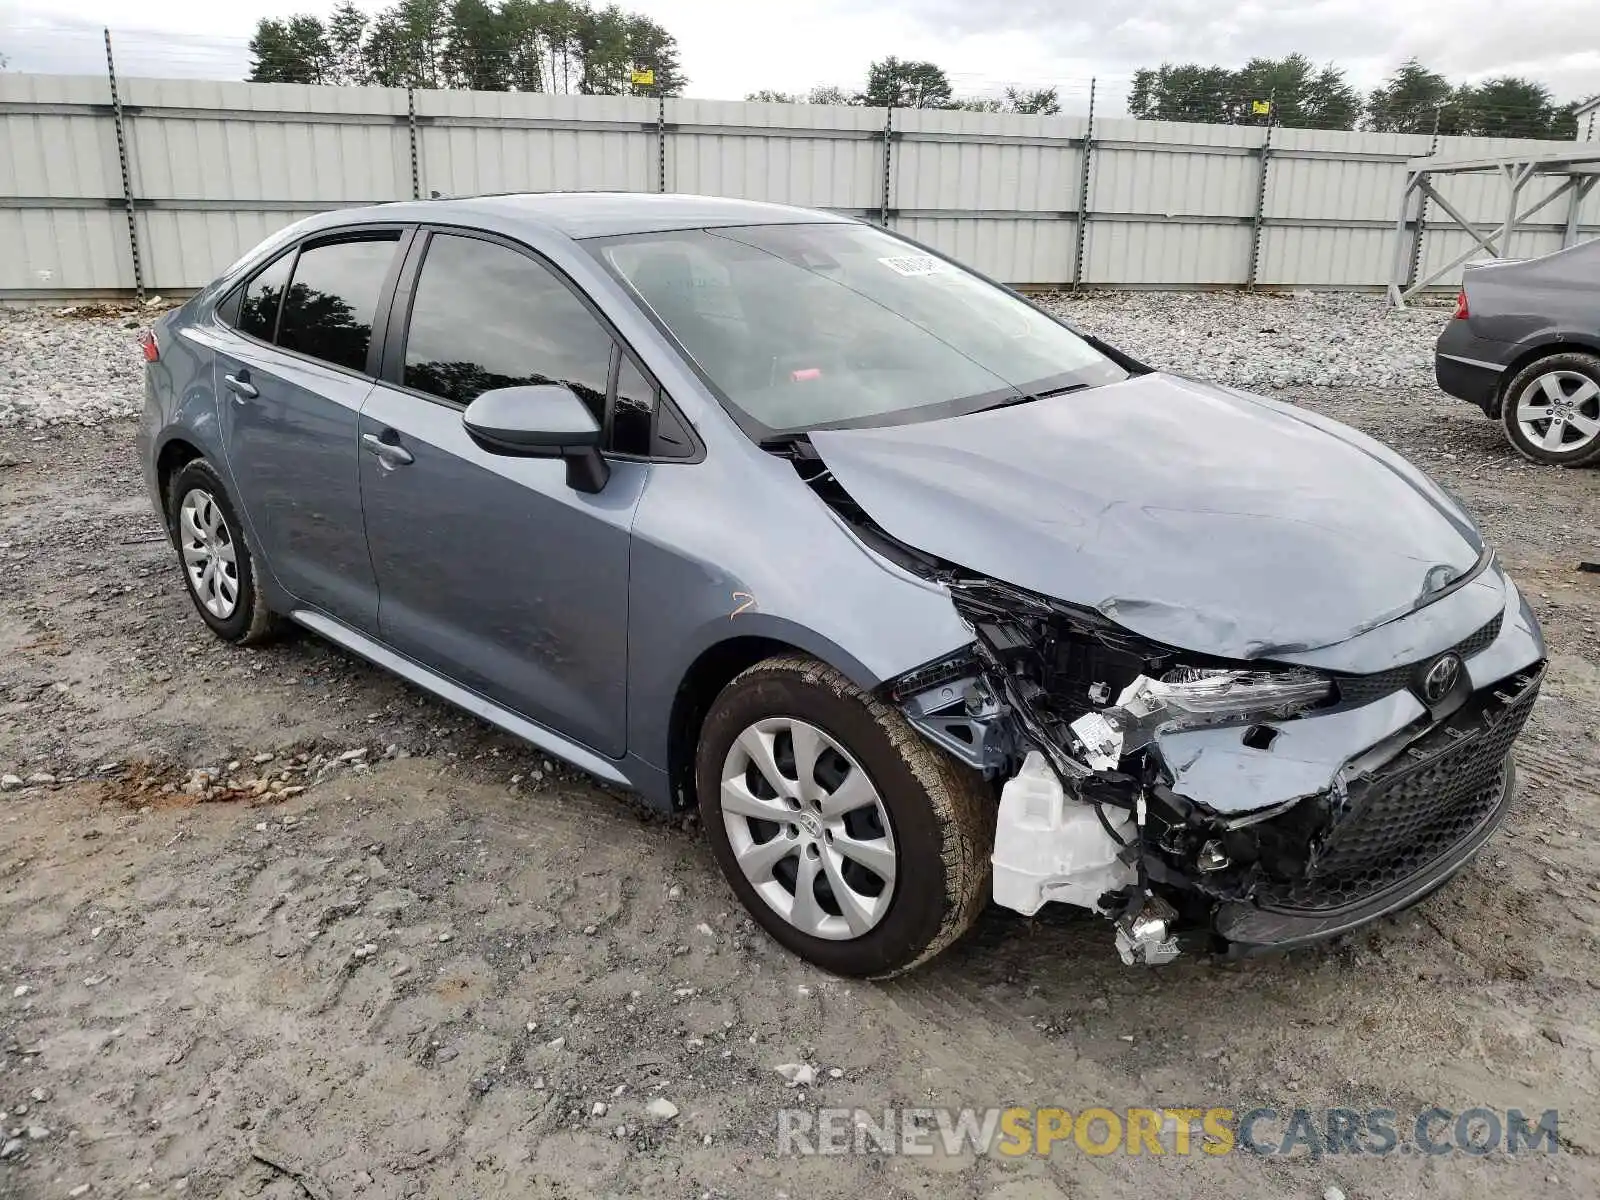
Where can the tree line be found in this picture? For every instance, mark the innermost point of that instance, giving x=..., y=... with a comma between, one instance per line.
x=512, y=45
x=571, y=46
x=906, y=83
x=1293, y=91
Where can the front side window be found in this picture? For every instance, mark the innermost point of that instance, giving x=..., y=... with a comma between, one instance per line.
x=331, y=303
x=487, y=317
x=829, y=325
x=258, y=312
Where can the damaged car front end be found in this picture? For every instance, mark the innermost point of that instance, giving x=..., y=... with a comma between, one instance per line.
x=1262, y=767
x=1363, y=792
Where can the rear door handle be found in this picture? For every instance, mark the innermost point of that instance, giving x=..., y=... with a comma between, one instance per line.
x=389, y=454
x=241, y=386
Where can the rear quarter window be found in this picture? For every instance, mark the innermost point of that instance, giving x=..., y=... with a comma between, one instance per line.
x=258, y=307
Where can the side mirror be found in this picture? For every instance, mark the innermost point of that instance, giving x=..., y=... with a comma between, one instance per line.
x=545, y=420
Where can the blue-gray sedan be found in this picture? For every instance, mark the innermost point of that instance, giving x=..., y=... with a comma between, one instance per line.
x=920, y=595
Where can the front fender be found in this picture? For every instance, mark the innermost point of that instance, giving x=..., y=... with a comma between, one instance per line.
x=740, y=547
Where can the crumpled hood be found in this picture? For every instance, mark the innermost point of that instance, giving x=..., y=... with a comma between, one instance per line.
x=1199, y=516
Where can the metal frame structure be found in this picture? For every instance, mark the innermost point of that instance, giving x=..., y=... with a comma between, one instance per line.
x=1585, y=114
x=1580, y=165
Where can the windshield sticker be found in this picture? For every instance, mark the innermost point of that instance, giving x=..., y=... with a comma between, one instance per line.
x=912, y=264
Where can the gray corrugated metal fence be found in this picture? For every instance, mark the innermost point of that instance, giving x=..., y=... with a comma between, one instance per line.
x=212, y=168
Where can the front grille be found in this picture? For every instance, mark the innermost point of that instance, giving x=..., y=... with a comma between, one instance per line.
x=1363, y=689
x=1355, y=883
x=1412, y=810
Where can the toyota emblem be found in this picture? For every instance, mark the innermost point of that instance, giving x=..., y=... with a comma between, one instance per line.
x=1441, y=678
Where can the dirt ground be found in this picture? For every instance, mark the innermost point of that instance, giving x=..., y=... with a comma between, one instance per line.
x=419, y=975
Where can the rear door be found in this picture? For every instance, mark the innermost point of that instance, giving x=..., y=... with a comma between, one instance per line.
x=294, y=366
x=492, y=570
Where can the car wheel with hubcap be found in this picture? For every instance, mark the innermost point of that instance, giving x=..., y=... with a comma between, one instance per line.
x=852, y=840
x=1551, y=410
x=216, y=561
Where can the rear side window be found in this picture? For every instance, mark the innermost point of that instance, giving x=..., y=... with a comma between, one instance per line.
x=329, y=307
x=487, y=317
x=258, y=314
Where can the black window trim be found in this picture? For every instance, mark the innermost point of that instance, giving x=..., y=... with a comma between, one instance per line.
x=407, y=232
x=391, y=370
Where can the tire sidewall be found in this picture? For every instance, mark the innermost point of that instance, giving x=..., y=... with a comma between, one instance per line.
x=200, y=474
x=918, y=904
x=1585, y=364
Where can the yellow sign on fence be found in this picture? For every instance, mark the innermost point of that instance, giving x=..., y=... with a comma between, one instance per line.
x=643, y=77
x=1261, y=108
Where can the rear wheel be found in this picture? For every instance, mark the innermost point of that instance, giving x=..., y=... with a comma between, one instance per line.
x=853, y=842
x=216, y=561
x=1551, y=410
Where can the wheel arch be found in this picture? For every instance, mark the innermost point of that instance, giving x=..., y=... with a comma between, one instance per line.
x=712, y=669
x=175, y=453
x=1556, y=343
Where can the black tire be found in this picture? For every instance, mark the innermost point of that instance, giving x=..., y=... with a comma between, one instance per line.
x=941, y=814
x=250, y=621
x=1575, y=365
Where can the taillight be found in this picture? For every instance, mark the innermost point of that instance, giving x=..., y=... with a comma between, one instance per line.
x=147, y=343
x=1461, y=305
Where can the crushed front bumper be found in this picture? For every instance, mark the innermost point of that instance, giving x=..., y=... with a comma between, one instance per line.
x=1240, y=838
x=1285, y=819
x=1258, y=928
x=1406, y=829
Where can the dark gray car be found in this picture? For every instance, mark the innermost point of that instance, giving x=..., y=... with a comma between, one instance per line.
x=892, y=574
x=1524, y=346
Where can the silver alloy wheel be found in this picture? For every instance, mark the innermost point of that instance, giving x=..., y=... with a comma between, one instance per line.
x=1560, y=411
x=808, y=828
x=208, y=555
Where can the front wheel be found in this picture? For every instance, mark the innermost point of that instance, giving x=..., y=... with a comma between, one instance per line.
x=853, y=841
x=1551, y=410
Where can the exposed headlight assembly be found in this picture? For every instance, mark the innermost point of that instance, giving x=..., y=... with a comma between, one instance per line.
x=1192, y=697
x=1186, y=698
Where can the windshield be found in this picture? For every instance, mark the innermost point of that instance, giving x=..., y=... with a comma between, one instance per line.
x=835, y=325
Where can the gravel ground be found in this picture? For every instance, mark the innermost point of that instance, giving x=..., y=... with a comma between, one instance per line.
x=82, y=368
x=1266, y=340
x=408, y=956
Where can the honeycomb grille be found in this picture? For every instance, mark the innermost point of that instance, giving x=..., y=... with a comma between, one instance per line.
x=1355, y=883
x=1414, y=810
x=1363, y=689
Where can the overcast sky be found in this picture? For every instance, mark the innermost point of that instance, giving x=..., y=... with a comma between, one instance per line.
x=732, y=47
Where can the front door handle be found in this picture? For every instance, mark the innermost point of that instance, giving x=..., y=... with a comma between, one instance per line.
x=389, y=454
x=241, y=386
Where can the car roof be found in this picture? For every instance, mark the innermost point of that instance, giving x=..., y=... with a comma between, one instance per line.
x=601, y=214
